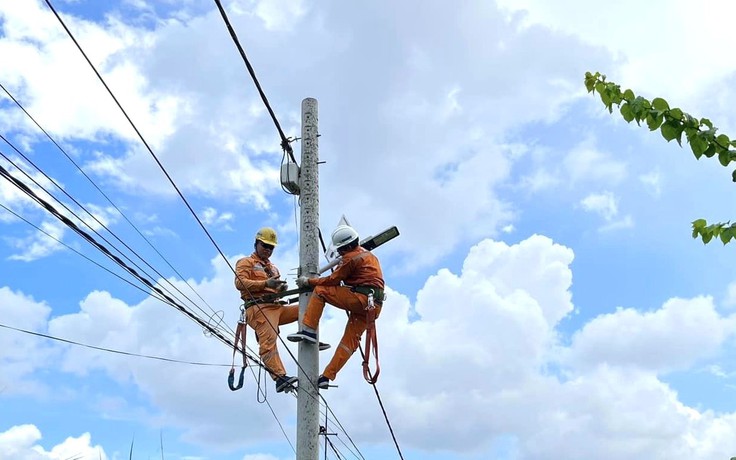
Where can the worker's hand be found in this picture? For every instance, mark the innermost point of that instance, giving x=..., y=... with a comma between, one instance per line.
x=283, y=286
x=275, y=283
x=302, y=282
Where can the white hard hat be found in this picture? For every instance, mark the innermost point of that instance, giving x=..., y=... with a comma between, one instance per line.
x=343, y=235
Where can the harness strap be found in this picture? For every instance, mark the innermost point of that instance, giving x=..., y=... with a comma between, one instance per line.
x=377, y=293
x=275, y=296
x=240, y=334
x=371, y=341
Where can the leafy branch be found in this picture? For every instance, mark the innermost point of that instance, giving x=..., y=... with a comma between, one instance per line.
x=672, y=124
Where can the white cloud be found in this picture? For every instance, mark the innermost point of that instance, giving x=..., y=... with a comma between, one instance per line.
x=605, y=204
x=210, y=216
x=278, y=14
x=20, y=443
x=260, y=457
x=639, y=67
x=730, y=300
x=21, y=354
x=38, y=245
x=653, y=182
x=584, y=163
x=674, y=337
x=492, y=327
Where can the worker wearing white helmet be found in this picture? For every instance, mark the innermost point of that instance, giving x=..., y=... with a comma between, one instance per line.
x=359, y=272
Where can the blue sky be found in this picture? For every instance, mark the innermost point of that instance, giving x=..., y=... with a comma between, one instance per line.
x=545, y=295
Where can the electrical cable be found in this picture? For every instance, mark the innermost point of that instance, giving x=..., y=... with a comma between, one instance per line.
x=110, y=350
x=13, y=98
x=77, y=252
x=161, y=166
x=31, y=194
x=3, y=155
x=285, y=145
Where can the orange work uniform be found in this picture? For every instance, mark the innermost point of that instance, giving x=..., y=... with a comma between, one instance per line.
x=251, y=275
x=358, y=267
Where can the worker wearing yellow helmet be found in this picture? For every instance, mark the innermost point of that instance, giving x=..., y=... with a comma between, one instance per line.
x=256, y=276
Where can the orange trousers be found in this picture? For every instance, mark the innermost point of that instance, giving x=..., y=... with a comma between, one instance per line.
x=265, y=321
x=341, y=297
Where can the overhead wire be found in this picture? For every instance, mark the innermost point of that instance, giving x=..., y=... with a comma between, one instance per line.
x=260, y=365
x=84, y=222
x=110, y=350
x=63, y=151
x=170, y=301
x=285, y=146
x=285, y=143
x=158, y=162
x=74, y=250
x=104, y=250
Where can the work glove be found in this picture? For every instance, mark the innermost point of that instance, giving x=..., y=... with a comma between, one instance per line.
x=283, y=287
x=302, y=282
x=275, y=283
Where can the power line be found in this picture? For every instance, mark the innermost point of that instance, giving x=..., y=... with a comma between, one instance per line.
x=72, y=249
x=135, y=128
x=110, y=350
x=104, y=250
x=89, y=213
x=104, y=195
x=285, y=145
x=158, y=162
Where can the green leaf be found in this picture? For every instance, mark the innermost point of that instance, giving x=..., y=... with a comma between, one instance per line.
x=626, y=112
x=710, y=151
x=676, y=113
x=706, y=122
x=726, y=235
x=629, y=95
x=707, y=237
x=723, y=141
x=699, y=223
x=724, y=158
x=660, y=104
x=733, y=176
x=671, y=130
x=698, y=145
x=590, y=81
x=654, y=120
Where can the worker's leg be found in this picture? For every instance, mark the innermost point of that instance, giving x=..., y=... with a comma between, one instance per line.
x=288, y=314
x=264, y=319
x=339, y=296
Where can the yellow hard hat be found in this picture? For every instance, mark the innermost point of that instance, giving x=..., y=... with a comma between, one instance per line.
x=267, y=235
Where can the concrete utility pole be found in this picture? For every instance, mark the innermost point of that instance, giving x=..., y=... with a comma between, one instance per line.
x=307, y=412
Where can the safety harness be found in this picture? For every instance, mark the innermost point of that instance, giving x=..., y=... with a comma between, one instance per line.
x=240, y=331
x=375, y=296
x=239, y=336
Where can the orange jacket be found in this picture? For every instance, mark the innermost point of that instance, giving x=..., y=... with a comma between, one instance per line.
x=251, y=275
x=358, y=267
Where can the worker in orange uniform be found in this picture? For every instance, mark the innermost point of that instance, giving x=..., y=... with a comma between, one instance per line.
x=256, y=276
x=357, y=278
